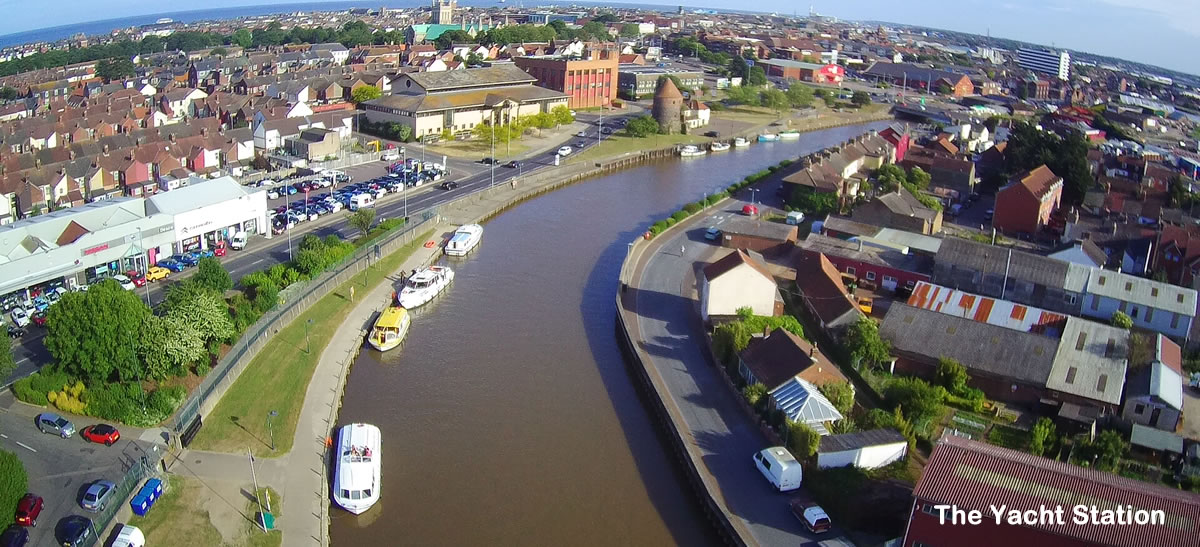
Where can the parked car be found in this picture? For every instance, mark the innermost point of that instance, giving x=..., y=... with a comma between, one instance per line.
x=513, y=164
x=449, y=185
x=129, y=536
x=28, y=509
x=389, y=156
x=273, y=193
x=606, y=130
x=219, y=249
x=16, y=332
x=156, y=273
x=562, y=151
x=187, y=259
x=712, y=233
x=49, y=422
x=75, y=530
x=714, y=134
x=39, y=318
x=811, y=515
x=171, y=264
x=124, y=281
x=14, y=536
x=97, y=496
x=581, y=134
x=238, y=242
x=290, y=190
x=750, y=210
x=101, y=434
x=20, y=317
x=489, y=161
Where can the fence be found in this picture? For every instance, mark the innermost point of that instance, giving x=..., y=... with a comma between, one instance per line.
x=141, y=464
x=294, y=301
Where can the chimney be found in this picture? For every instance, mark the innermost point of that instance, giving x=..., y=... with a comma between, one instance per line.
x=860, y=245
x=71, y=153
x=105, y=149
x=812, y=351
x=171, y=137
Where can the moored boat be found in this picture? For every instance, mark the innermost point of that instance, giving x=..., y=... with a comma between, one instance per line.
x=740, y=142
x=357, y=477
x=789, y=135
x=464, y=240
x=424, y=285
x=719, y=146
x=768, y=137
x=390, y=328
x=691, y=151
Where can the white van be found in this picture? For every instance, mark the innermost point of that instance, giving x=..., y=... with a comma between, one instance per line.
x=238, y=242
x=779, y=467
x=360, y=201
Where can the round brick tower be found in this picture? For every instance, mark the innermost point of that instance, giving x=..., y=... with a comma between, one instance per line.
x=668, y=106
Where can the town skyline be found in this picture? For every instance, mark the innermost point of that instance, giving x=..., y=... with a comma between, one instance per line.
x=1153, y=32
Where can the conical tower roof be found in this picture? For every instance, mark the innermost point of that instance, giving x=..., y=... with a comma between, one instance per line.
x=667, y=90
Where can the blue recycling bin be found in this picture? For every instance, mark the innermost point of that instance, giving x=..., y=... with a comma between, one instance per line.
x=153, y=489
x=140, y=505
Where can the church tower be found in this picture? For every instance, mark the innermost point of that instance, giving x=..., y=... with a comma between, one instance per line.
x=443, y=12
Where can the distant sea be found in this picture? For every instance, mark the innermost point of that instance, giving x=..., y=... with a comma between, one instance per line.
x=106, y=26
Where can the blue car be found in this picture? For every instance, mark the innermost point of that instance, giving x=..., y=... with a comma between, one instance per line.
x=186, y=259
x=201, y=253
x=171, y=264
x=291, y=190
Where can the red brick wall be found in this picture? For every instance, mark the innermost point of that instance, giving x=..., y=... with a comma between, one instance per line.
x=1016, y=210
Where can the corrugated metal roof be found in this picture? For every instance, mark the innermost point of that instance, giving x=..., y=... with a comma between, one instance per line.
x=1156, y=439
x=977, y=476
x=192, y=197
x=802, y=402
x=1000, y=313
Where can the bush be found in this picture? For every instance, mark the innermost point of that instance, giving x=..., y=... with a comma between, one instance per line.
x=658, y=227
x=163, y=402
x=203, y=367
x=14, y=482
x=803, y=440
x=33, y=389
x=116, y=402
x=919, y=400
x=670, y=222
x=755, y=394
x=693, y=208
x=679, y=215
x=786, y=163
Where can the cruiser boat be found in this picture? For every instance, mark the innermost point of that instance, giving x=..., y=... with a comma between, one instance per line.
x=424, y=285
x=691, y=150
x=719, y=146
x=390, y=328
x=356, y=480
x=768, y=137
x=789, y=135
x=740, y=142
x=465, y=239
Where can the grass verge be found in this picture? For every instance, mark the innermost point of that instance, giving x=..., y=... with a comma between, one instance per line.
x=255, y=537
x=619, y=145
x=277, y=379
x=175, y=516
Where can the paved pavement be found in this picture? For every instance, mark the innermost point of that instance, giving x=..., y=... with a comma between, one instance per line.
x=668, y=329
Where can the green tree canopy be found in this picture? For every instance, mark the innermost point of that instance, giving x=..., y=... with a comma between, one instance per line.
x=212, y=275
x=362, y=219
x=91, y=334
x=756, y=76
x=562, y=115
x=775, y=99
x=115, y=69
x=606, y=17
x=918, y=399
x=166, y=344
x=799, y=95
x=803, y=440
x=841, y=394
x=7, y=93
x=1041, y=436
x=365, y=93
x=860, y=99
x=919, y=178
x=451, y=37
x=206, y=314
x=641, y=126
x=243, y=38
x=952, y=375
x=14, y=482
x=1121, y=320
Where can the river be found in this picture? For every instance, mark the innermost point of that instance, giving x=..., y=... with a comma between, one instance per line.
x=510, y=416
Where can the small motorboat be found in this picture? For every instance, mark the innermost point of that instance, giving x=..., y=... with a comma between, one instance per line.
x=390, y=328
x=768, y=137
x=464, y=240
x=691, y=151
x=357, y=477
x=789, y=135
x=740, y=142
x=424, y=285
x=718, y=146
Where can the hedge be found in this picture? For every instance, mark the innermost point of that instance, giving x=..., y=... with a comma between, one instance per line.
x=14, y=482
x=698, y=206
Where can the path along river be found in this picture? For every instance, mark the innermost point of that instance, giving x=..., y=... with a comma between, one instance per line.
x=510, y=416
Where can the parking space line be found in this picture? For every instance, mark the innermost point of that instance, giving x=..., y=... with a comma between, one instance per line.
x=25, y=446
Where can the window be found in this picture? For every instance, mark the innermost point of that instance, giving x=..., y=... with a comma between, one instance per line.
x=1110, y=348
x=870, y=276
x=1149, y=314
x=889, y=279
x=1179, y=298
x=1102, y=279
x=1133, y=312
x=910, y=284
x=1081, y=341
x=1071, y=375
x=1095, y=303
x=1128, y=286
x=1174, y=320
x=1140, y=408
x=928, y=509
x=1069, y=299
x=1102, y=382
x=1154, y=291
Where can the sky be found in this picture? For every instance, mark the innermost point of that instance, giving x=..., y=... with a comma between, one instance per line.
x=1159, y=32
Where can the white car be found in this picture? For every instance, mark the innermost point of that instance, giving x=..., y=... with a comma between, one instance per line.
x=273, y=193
x=389, y=156
x=125, y=282
x=581, y=134
x=266, y=182
x=20, y=317
x=129, y=536
x=564, y=150
x=336, y=206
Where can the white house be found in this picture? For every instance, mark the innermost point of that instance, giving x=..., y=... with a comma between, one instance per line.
x=1154, y=393
x=864, y=449
x=1152, y=305
x=740, y=279
x=338, y=51
x=178, y=103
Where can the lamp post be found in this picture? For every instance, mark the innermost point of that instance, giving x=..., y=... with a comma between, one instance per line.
x=493, y=164
x=286, y=220
x=404, y=181
x=270, y=415
x=753, y=194
x=307, y=346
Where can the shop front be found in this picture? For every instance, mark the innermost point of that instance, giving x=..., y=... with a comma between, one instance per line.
x=211, y=212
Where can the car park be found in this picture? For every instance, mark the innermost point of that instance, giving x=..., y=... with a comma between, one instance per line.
x=49, y=422
x=156, y=273
x=136, y=277
x=171, y=264
x=97, y=496
x=75, y=531
x=101, y=434
x=29, y=507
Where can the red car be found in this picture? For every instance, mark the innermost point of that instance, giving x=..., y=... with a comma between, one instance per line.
x=28, y=509
x=101, y=433
x=137, y=278
x=219, y=250
x=750, y=210
x=39, y=318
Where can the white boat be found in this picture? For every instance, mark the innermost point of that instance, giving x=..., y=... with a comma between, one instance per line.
x=356, y=480
x=424, y=285
x=389, y=329
x=740, y=142
x=465, y=238
x=789, y=135
x=768, y=137
x=719, y=146
x=691, y=150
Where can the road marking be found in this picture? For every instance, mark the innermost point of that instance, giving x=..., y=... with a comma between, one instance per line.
x=25, y=446
x=258, y=261
x=3, y=435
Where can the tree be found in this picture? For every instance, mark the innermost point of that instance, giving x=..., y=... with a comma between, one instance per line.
x=641, y=126
x=7, y=362
x=1041, y=436
x=813, y=202
x=1121, y=320
x=219, y=52
x=365, y=93
x=166, y=344
x=860, y=99
x=919, y=178
x=799, y=95
x=755, y=394
x=562, y=115
x=746, y=95
x=206, y=314
x=362, y=219
x=919, y=399
x=212, y=275
x=952, y=375
x=890, y=177
x=451, y=37
x=629, y=30
x=594, y=30
x=14, y=482
x=606, y=17
x=90, y=334
x=474, y=59
x=7, y=93
x=803, y=440
x=775, y=100
x=1105, y=451
x=841, y=394
x=243, y=38
x=115, y=69
x=756, y=76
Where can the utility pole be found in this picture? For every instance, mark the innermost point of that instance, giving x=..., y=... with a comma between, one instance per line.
x=262, y=519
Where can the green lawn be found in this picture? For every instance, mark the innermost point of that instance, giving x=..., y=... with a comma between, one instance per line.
x=278, y=377
x=255, y=535
x=174, y=516
x=476, y=149
x=1009, y=437
x=619, y=144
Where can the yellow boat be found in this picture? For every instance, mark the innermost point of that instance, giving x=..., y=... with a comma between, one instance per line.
x=390, y=328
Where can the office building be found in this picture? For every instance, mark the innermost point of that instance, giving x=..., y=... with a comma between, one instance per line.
x=589, y=82
x=1045, y=61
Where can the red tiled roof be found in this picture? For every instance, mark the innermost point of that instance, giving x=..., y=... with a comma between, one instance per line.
x=822, y=286
x=1170, y=354
x=1039, y=180
x=977, y=476
x=733, y=260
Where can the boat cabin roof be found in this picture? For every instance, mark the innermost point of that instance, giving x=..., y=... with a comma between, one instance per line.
x=392, y=317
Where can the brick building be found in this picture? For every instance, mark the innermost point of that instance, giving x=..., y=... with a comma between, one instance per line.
x=587, y=82
x=1026, y=203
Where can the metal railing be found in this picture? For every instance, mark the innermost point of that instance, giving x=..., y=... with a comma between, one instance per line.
x=141, y=464
x=295, y=300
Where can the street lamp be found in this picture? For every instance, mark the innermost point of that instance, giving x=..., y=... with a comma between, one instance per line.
x=404, y=181
x=753, y=194
x=271, y=432
x=307, y=324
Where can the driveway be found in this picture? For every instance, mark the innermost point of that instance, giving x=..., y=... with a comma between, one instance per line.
x=1191, y=413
